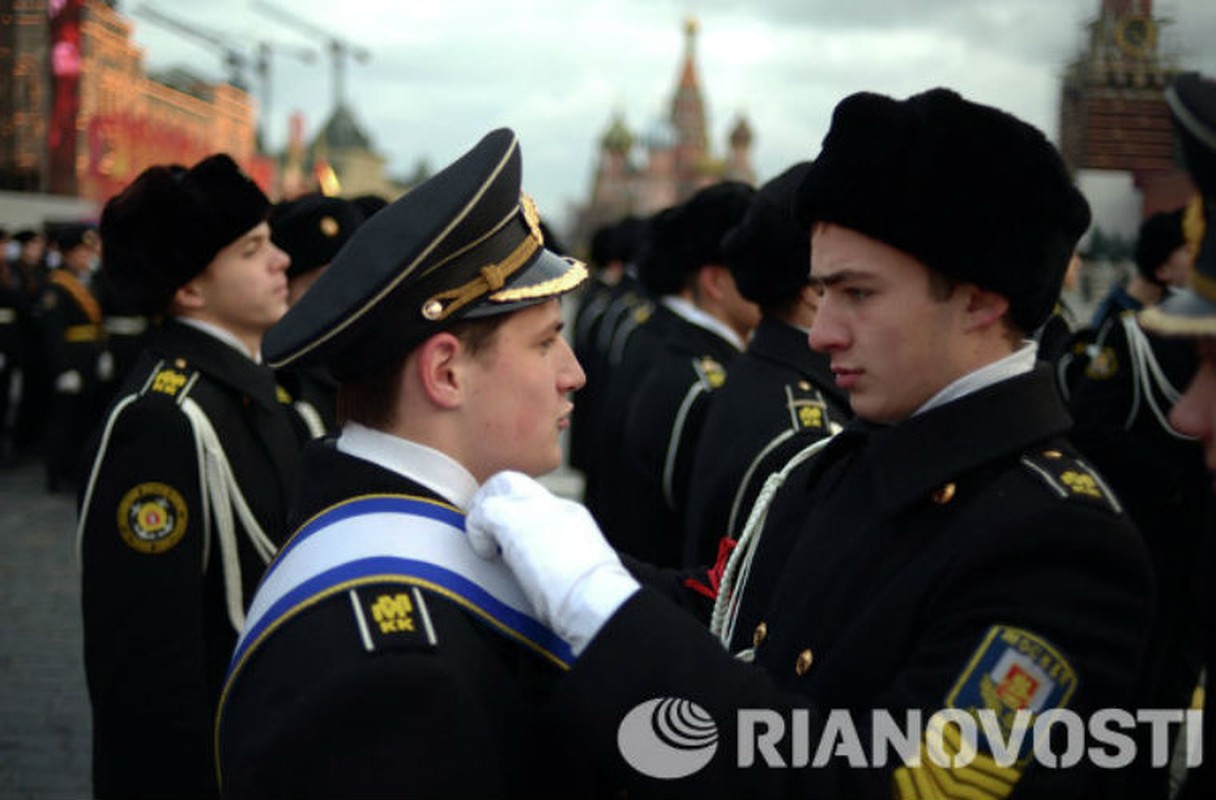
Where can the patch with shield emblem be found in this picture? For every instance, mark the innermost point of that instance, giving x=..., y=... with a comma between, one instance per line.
x=152, y=518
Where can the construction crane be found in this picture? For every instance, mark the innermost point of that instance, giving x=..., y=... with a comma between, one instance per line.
x=339, y=49
x=236, y=62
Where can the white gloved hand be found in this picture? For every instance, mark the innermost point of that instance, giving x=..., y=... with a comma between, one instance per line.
x=573, y=578
x=69, y=382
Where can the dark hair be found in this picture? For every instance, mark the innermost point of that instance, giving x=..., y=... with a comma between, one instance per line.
x=372, y=400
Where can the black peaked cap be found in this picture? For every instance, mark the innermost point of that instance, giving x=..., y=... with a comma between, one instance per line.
x=463, y=244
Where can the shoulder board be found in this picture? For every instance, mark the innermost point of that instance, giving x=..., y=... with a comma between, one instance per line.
x=174, y=380
x=392, y=616
x=1071, y=478
x=711, y=374
x=808, y=411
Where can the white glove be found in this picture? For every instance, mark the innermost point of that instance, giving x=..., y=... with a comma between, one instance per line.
x=69, y=382
x=573, y=578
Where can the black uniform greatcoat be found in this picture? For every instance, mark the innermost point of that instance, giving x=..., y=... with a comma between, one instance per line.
x=157, y=633
x=646, y=493
x=1161, y=480
x=777, y=386
x=640, y=338
x=314, y=385
x=314, y=713
x=73, y=343
x=884, y=564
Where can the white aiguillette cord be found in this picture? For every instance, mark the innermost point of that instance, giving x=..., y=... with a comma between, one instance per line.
x=738, y=567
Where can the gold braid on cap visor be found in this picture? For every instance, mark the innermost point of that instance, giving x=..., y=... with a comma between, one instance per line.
x=492, y=277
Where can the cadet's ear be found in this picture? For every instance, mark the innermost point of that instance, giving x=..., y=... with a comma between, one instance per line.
x=188, y=297
x=438, y=369
x=711, y=280
x=984, y=308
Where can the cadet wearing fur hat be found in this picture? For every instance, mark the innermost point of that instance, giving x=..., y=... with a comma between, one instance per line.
x=428, y=673
x=311, y=230
x=643, y=500
x=948, y=549
x=190, y=473
x=781, y=396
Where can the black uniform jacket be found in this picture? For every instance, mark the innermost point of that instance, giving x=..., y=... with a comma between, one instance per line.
x=314, y=393
x=883, y=571
x=642, y=336
x=645, y=495
x=1161, y=480
x=71, y=325
x=781, y=397
x=315, y=713
x=592, y=303
x=157, y=633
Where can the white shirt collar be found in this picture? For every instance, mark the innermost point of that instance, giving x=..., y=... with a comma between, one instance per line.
x=433, y=469
x=225, y=336
x=1016, y=363
x=687, y=311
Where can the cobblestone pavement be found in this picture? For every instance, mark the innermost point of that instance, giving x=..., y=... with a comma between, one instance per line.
x=44, y=706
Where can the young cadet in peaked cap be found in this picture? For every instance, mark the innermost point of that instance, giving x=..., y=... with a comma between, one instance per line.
x=1191, y=313
x=947, y=550
x=428, y=670
x=189, y=474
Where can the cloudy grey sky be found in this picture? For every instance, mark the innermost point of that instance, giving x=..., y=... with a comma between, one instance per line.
x=443, y=72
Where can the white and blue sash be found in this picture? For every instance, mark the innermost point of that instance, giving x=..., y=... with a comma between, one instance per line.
x=395, y=538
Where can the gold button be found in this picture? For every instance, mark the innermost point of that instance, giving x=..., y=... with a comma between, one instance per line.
x=804, y=386
x=803, y=662
x=180, y=363
x=1052, y=454
x=759, y=634
x=944, y=493
x=432, y=310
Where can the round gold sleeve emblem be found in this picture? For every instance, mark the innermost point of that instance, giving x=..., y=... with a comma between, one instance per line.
x=152, y=517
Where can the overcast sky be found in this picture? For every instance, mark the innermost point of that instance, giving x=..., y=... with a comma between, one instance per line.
x=444, y=72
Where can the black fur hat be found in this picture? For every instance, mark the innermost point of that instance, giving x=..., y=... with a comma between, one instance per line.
x=768, y=252
x=170, y=222
x=709, y=214
x=1160, y=235
x=659, y=256
x=312, y=229
x=970, y=191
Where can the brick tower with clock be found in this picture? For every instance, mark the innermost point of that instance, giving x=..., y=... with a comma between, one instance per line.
x=1113, y=114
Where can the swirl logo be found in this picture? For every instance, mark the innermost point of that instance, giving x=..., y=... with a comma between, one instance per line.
x=667, y=738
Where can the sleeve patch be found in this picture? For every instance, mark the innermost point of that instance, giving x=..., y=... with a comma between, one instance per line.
x=393, y=618
x=711, y=374
x=152, y=518
x=1013, y=669
x=1071, y=478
